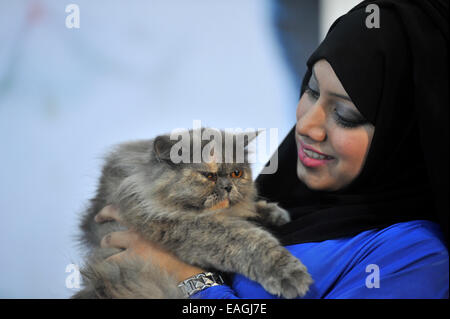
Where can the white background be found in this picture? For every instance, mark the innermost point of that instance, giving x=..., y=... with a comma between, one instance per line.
x=134, y=69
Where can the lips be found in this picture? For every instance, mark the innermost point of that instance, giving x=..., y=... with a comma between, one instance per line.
x=311, y=157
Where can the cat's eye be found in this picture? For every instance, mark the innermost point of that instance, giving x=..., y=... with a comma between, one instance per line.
x=236, y=173
x=210, y=176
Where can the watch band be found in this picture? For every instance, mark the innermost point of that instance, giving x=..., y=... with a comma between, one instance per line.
x=199, y=282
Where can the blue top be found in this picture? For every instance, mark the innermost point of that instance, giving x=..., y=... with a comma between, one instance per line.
x=405, y=260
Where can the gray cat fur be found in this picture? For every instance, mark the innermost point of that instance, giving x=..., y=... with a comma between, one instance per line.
x=173, y=205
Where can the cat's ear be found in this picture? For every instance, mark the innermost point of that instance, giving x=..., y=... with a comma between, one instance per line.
x=161, y=146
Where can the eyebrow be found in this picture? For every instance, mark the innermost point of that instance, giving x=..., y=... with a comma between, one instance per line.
x=345, y=97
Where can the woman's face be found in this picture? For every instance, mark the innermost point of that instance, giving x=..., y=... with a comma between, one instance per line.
x=332, y=136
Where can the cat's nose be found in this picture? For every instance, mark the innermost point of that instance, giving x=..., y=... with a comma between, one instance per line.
x=228, y=188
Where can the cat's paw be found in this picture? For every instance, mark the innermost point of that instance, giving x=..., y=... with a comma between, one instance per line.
x=279, y=216
x=291, y=281
x=272, y=213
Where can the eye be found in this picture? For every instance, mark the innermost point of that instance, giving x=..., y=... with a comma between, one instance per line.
x=313, y=94
x=236, y=173
x=348, y=123
x=210, y=176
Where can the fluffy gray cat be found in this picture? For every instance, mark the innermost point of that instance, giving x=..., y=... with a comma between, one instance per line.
x=203, y=212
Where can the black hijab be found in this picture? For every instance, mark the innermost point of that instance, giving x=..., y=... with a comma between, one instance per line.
x=397, y=77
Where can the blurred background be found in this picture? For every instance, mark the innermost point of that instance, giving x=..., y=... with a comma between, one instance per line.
x=133, y=69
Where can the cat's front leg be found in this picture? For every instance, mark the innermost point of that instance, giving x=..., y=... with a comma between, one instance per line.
x=230, y=245
x=233, y=245
x=256, y=254
x=271, y=213
x=286, y=276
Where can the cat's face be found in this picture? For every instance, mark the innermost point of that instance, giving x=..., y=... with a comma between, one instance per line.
x=210, y=186
x=207, y=185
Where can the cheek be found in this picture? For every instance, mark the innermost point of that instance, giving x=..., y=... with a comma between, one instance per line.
x=351, y=147
x=194, y=184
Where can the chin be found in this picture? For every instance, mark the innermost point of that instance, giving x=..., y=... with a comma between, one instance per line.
x=314, y=182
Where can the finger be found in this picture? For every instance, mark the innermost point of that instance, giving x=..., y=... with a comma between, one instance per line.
x=118, y=239
x=108, y=213
x=117, y=257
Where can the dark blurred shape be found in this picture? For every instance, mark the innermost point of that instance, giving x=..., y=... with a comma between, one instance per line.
x=297, y=27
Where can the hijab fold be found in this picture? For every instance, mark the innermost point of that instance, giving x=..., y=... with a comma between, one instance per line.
x=397, y=76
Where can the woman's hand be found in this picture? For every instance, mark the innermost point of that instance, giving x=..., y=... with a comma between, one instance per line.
x=136, y=246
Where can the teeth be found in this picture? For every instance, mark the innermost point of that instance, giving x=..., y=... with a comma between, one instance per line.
x=315, y=155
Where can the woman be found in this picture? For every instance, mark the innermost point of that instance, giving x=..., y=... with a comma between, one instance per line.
x=364, y=173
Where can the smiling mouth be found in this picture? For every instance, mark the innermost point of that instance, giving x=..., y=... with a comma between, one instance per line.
x=315, y=155
x=310, y=157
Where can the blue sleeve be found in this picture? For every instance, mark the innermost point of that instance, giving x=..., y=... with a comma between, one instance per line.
x=406, y=266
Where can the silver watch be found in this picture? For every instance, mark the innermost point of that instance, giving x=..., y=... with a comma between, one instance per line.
x=199, y=282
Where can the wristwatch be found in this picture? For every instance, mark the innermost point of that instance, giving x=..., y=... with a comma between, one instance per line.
x=199, y=282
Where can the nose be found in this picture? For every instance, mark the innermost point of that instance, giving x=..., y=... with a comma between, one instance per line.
x=312, y=121
x=228, y=188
